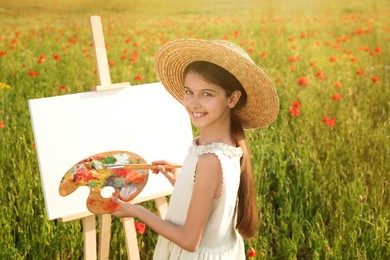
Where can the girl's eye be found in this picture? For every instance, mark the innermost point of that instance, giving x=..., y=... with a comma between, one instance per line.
x=187, y=92
x=207, y=94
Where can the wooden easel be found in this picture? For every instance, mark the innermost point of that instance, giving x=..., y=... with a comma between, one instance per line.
x=89, y=220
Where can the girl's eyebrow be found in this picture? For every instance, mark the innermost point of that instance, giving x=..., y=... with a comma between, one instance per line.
x=204, y=89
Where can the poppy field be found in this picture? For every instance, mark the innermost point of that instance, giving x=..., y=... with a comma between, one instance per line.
x=322, y=168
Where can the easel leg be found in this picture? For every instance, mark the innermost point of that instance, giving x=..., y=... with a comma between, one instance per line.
x=162, y=206
x=89, y=230
x=104, y=237
x=131, y=239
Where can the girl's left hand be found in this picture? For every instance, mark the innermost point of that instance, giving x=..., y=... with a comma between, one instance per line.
x=125, y=210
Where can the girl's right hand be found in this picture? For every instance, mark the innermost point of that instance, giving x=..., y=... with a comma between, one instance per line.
x=170, y=173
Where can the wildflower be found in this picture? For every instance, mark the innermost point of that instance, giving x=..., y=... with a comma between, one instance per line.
x=2, y=125
x=251, y=253
x=360, y=72
x=277, y=81
x=42, y=58
x=111, y=63
x=294, y=111
x=312, y=64
x=3, y=85
x=337, y=84
x=263, y=54
x=138, y=77
x=140, y=227
x=320, y=75
x=33, y=73
x=337, y=97
x=3, y=53
x=375, y=79
x=359, y=31
x=352, y=58
x=329, y=121
x=62, y=87
x=378, y=50
x=57, y=57
x=292, y=59
x=296, y=104
x=332, y=59
x=302, y=81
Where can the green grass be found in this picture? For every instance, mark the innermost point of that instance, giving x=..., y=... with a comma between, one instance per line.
x=323, y=192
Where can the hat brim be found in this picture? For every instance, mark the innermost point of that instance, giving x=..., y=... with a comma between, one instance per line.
x=262, y=105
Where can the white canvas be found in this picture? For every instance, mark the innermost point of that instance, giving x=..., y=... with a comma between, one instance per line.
x=142, y=119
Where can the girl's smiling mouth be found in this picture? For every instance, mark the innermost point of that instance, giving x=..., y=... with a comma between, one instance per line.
x=196, y=115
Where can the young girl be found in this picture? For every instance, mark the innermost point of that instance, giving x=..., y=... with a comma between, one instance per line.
x=213, y=204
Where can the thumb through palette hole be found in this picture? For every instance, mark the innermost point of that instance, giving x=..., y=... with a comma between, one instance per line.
x=107, y=192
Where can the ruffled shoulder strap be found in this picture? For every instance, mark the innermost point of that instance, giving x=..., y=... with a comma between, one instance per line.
x=227, y=150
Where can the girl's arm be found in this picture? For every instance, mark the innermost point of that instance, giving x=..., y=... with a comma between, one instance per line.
x=188, y=236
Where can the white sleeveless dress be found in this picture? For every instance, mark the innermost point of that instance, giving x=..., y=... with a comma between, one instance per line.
x=220, y=239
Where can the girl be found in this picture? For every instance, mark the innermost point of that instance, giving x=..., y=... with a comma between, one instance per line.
x=213, y=204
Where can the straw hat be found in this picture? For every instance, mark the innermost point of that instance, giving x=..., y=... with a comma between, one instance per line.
x=262, y=104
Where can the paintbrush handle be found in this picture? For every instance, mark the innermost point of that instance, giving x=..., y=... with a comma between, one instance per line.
x=141, y=166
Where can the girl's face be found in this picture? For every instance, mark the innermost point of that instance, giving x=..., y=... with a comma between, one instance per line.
x=207, y=104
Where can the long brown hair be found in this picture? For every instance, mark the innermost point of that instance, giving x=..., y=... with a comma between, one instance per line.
x=247, y=213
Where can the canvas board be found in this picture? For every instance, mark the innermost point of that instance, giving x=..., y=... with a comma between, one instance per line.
x=144, y=119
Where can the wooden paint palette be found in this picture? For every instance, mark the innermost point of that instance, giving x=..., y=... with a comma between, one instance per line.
x=109, y=169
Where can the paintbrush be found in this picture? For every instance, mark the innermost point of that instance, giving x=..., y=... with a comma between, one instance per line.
x=141, y=166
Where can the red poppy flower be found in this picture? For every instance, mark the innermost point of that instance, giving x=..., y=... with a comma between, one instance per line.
x=320, y=75
x=352, y=58
x=296, y=104
x=292, y=59
x=251, y=253
x=360, y=72
x=140, y=227
x=62, y=87
x=375, y=79
x=33, y=73
x=3, y=53
x=332, y=122
x=2, y=125
x=263, y=54
x=329, y=121
x=378, y=50
x=337, y=84
x=42, y=58
x=57, y=57
x=312, y=64
x=294, y=111
x=138, y=77
x=302, y=81
x=332, y=59
x=337, y=97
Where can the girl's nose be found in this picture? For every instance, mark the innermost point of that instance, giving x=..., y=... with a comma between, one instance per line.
x=195, y=102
